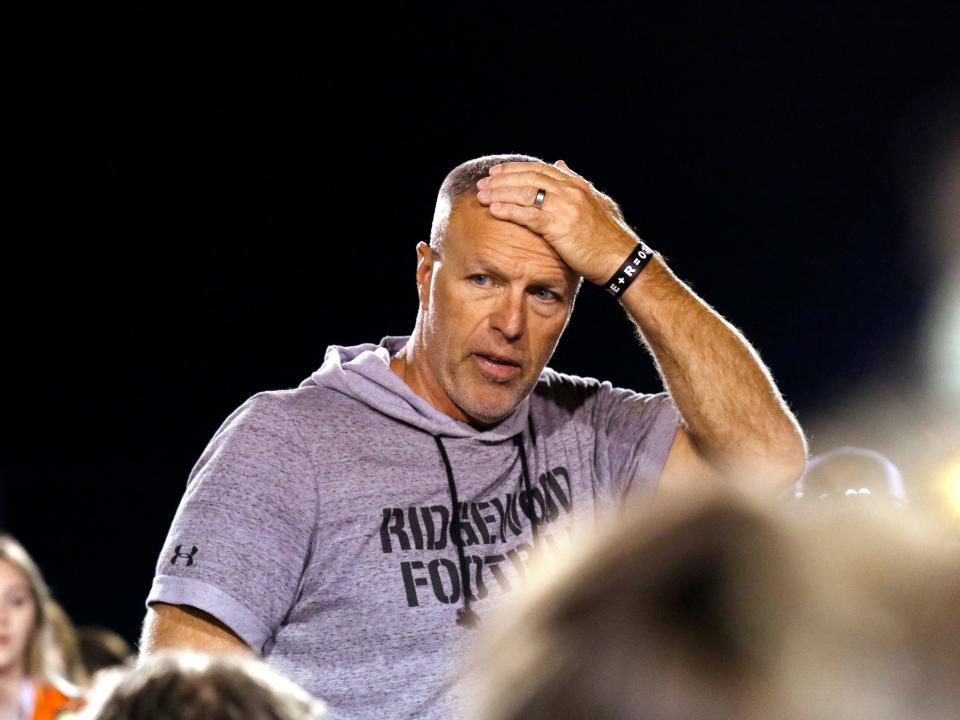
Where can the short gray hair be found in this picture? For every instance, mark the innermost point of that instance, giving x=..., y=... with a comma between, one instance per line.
x=458, y=183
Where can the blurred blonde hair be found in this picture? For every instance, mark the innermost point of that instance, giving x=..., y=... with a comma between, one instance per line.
x=38, y=646
x=719, y=607
x=65, y=657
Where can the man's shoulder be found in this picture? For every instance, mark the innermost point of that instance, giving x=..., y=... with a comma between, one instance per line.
x=571, y=396
x=305, y=407
x=303, y=399
x=564, y=396
x=553, y=380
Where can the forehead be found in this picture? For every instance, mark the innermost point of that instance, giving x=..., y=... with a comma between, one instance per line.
x=473, y=233
x=11, y=575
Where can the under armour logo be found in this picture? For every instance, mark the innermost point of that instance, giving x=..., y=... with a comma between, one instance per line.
x=187, y=556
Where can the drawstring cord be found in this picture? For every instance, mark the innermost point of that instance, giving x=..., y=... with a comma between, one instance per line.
x=525, y=472
x=466, y=616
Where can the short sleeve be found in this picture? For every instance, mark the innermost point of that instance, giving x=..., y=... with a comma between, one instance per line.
x=242, y=535
x=634, y=435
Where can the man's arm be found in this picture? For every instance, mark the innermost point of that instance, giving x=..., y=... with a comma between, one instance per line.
x=735, y=424
x=181, y=627
x=237, y=544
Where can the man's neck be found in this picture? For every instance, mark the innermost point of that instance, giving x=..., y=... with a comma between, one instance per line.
x=410, y=366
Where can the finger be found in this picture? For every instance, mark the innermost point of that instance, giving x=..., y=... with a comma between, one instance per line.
x=567, y=169
x=529, y=179
x=525, y=195
x=530, y=218
x=524, y=167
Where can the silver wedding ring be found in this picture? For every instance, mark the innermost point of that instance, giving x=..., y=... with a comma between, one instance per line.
x=538, y=202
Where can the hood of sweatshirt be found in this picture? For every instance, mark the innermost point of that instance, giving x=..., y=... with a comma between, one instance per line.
x=363, y=372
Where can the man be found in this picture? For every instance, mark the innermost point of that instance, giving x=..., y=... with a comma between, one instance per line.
x=356, y=530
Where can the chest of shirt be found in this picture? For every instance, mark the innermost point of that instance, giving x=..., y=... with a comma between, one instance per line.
x=386, y=527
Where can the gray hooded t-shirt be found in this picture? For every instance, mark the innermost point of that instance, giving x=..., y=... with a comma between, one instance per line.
x=318, y=523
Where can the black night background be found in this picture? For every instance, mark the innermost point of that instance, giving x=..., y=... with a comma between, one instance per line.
x=204, y=196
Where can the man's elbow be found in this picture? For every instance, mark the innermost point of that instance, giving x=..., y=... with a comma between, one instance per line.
x=772, y=463
x=786, y=458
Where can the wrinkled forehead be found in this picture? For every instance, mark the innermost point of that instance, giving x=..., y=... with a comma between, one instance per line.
x=473, y=232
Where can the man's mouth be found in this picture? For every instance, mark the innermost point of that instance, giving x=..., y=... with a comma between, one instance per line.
x=498, y=368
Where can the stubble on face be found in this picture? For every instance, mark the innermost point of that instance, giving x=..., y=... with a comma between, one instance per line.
x=486, y=329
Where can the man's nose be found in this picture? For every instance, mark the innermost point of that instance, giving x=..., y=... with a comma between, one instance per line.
x=510, y=316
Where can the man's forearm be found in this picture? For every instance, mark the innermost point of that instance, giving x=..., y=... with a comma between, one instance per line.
x=730, y=406
x=733, y=414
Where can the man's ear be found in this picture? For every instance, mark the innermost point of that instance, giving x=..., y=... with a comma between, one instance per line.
x=424, y=273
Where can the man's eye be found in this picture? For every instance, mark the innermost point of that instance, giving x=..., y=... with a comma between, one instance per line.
x=480, y=280
x=544, y=294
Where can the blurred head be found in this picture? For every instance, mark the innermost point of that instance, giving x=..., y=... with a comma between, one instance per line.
x=102, y=648
x=189, y=686
x=652, y=621
x=494, y=300
x=24, y=632
x=64, y=652
x=848, y=475
x=720, y=608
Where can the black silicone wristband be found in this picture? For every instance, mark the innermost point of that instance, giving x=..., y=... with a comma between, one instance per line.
x=628, y=272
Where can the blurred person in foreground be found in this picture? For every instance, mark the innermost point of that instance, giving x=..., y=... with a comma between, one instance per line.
x=721, y=609
x=839, y=478
x=30, y=688
x=102, y=648
x=65, y=657
x=189, y=686
x=355, y=530
x=907, y=402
